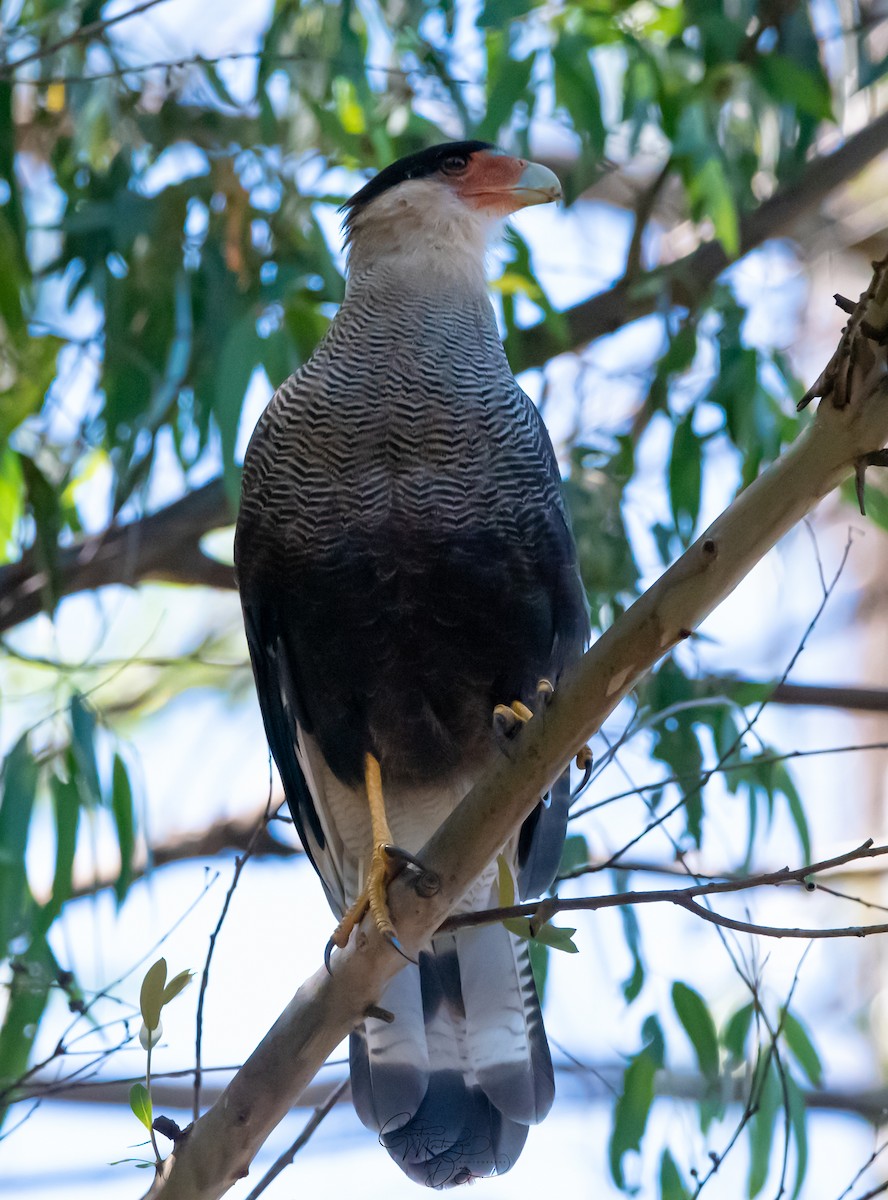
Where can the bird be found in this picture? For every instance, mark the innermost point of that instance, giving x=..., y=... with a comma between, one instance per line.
x=406, y=569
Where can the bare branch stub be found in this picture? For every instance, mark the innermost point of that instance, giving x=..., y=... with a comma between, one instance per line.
x=855, y=353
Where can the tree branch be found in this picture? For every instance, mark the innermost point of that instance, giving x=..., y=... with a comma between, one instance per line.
x=221, y=1145
x=226, y=836
x=540, y=911
x=164, y=546
x=805, y=695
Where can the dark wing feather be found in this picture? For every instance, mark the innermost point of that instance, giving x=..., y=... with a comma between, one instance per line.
x=282, y=713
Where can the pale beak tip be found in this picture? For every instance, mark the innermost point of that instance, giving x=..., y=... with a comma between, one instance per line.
x=539, y=185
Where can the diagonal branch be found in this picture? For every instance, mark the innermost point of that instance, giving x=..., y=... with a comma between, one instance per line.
x=221, y=1145
x=164, y=546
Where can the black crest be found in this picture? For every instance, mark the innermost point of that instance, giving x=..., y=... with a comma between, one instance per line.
x=412, y=166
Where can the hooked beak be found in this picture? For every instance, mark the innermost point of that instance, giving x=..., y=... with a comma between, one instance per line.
x=536, y=185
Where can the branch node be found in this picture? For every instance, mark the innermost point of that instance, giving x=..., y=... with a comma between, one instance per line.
x=373, y=1011
x=169, y=1129
x=427, y=884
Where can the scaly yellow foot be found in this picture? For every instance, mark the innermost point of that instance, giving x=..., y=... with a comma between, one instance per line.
x=508, y=718
x=381, y=869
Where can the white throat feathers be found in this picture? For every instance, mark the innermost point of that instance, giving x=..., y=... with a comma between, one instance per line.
x=421, y=228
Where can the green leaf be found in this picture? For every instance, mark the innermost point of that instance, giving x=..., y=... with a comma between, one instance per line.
x=698, y=1024
x=241, y=353
x=83, y=746
x=796, y=1037
x=27, y=375
x=505, y=883
x=576, y=90
x=43, y=501
x=151, y=995
x=574, y=855
x=782, y=782
x=631, y=1113
x=19, y=787
x=28, y=992
x=124, y=819
x=632, y=933
x=11, y=277
x=798, y=1125
x=216, y=82
x=711, y=187
x=539, y=964
x=654, y=1042
x=498, y=13
x=177, y=984
x=803, y=89
x=737, y=1030
x=763, y=1123
x=66, y=804
x=558, y=937
x=140, y=1103
x=505, y=89
x=685, y=477
x=11, y=485
x=305, y=324
x=576, y=87
x=671, y=1184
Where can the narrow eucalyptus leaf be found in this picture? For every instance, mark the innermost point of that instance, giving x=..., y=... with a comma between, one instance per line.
x=151, y=995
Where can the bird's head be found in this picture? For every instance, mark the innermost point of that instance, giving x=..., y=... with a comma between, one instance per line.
x=437, y=210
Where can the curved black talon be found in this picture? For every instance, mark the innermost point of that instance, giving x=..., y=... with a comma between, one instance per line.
x=328, y=954
x=392, y=939
x=403, y=856
x=585, y=761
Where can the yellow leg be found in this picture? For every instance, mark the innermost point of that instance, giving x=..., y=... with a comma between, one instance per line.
x=379, y=872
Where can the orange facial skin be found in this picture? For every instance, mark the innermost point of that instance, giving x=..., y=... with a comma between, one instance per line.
x=500, y=184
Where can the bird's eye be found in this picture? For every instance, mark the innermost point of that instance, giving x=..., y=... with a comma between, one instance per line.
x=453, y=164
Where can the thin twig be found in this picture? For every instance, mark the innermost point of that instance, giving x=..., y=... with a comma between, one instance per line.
x=199, y=60
x=751, y=721
x=239, y=863
x=879, y=1150
x=85, y=31
x=687, y=898
x=727, y=769
x=290, y=1153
